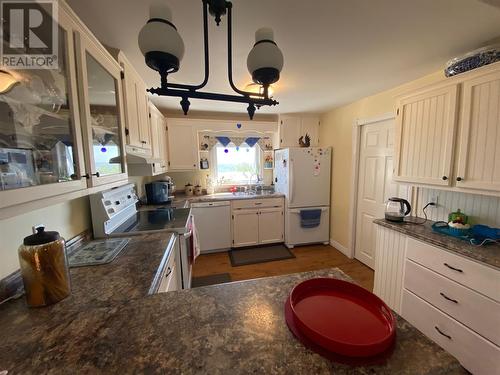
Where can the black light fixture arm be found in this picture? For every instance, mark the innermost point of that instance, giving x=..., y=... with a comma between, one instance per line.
x=229, y=6
x=255, y=100
x=165, y=84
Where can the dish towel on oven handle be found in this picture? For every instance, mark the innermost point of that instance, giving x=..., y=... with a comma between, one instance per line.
x=195, y=242
x=310, y=218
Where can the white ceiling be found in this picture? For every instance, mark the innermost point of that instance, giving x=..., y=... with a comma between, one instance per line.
x=336, y=51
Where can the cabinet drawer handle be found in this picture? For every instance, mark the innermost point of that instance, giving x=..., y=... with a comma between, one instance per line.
x=448, y=298
x=453, y=268
x=169, y=271
x=442, y=333
x=258, y=203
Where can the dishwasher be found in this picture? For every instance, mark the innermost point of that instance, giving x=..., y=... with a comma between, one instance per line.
x=213, y=224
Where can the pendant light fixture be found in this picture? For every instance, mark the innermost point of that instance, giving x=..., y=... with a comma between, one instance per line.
x=163, y=49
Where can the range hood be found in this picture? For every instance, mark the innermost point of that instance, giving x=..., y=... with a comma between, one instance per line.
x=136, y=155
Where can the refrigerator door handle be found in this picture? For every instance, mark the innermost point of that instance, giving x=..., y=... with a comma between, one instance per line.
x=290, y=180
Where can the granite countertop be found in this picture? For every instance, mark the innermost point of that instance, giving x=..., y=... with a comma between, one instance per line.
x=488, y=255
x=235, y=328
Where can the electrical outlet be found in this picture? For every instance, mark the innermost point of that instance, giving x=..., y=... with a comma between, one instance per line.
x=36, y=226
x=433, y=199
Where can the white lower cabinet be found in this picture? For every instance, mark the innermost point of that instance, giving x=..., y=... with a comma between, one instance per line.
x=451, y=299
x=475, y=353
x=271, y=225
x=257, y=222
x=390, y=253
x=171, y=278
x=245, y=228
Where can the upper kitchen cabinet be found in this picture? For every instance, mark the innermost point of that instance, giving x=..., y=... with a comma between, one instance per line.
x=41, y=152
x=182, y=146
x=425, y=131
x=479, y=155
x=138, y=131
x=159, y=132
x=291, y=128
x=101, y=110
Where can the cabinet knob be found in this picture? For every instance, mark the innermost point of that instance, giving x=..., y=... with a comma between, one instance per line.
x=77, y=177
x=445, y=178
x=459, y=178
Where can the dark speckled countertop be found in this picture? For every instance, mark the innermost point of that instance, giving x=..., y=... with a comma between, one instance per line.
x=235, y=328
x=488, y=254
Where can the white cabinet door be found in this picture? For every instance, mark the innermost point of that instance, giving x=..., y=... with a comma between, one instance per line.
x=143, y=112
x=159, y=140
x=310, y=126
x=245, y=227
x=479, y=155
x=136, y=106
x=182, y=147
x=271, y=225
x=425, y=131
x=289, y=130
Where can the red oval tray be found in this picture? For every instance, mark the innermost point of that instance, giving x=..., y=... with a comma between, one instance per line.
x=342, y=317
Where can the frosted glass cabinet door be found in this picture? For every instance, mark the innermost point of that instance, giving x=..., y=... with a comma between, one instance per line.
x=40, y=136
x=479, y=155
x=102, y=112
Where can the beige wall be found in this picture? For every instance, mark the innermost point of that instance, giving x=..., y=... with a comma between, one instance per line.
x=336, y=131
x=68, y=218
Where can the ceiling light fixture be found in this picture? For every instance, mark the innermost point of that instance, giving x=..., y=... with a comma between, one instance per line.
x=163, y=49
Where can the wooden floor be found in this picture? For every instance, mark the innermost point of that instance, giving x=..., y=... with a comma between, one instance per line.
x=307, y=258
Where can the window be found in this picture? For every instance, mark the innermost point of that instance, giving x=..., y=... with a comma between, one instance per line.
x=237, y=165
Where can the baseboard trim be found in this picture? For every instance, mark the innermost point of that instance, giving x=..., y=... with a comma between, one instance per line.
x=344, y=250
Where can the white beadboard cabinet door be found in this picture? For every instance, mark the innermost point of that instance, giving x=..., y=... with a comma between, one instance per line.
x=479, y=155
x=390, y=256
x=425, y=131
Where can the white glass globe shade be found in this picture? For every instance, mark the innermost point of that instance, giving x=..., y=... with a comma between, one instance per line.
x=265, y=53
x=159, y=34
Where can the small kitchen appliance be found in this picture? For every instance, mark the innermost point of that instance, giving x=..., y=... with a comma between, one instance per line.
x=396, y=209
x=158, y=192
x=44, y=268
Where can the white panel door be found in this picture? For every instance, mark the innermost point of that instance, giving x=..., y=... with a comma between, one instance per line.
x=309, y=176
x=375, y=185
x=479, y=156
x=245, y=228
x=271, y=225
x=425, y=134
x=182, y=147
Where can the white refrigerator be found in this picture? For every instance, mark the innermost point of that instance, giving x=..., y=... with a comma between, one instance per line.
x=303, y=175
